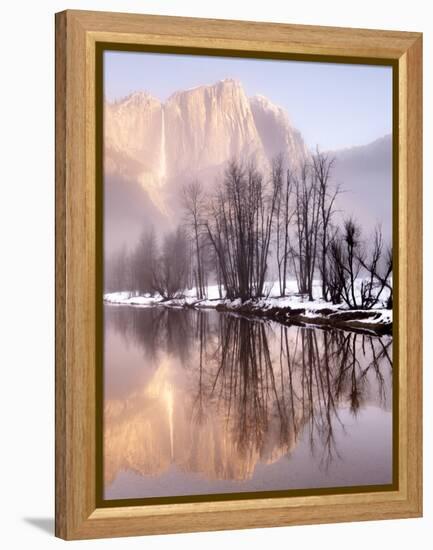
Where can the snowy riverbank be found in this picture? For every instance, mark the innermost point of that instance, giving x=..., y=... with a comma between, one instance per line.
x=292, y=309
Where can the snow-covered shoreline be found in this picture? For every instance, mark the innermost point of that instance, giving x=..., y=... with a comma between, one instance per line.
x=293, y=309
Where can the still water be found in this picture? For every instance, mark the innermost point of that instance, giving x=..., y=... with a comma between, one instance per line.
x=201, y=402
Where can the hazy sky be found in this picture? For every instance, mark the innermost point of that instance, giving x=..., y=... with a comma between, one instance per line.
x=333, y=105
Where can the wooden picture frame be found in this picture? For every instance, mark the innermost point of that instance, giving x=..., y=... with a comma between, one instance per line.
x=78, y=34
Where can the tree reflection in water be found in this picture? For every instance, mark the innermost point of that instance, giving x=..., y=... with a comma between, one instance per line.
x=315, y=373
x=249, y=390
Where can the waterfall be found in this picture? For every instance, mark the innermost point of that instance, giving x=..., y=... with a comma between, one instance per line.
x=162, y=155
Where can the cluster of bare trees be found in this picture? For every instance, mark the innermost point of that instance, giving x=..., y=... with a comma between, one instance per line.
x=255, y=228
x=358, y=276
x=150, y=268
x=239, y=228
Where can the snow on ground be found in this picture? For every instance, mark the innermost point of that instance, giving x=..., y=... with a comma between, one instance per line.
x=212, y=293
x=294, y=306
x=128, y=298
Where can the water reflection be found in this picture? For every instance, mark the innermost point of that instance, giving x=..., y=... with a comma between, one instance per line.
x=221, y=397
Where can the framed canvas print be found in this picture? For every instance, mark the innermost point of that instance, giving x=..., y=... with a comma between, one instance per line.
x=238, y=274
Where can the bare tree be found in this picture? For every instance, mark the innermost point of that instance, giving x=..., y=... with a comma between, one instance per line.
x=170, y=277
x=283, y=217
x=378, y=266
x=239, y=227
x=387, y=278
x=336, y=272
x=345, y=255
x=304, y=251
x=143, y=262
x=352, y=265
x=118, y=272
x=348, y=260
x=194, y=204
x=322, y=167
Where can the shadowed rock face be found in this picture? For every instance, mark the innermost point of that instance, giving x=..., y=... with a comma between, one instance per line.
x=276, y=132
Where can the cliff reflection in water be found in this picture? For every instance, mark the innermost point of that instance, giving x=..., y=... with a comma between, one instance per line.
x=218, y=395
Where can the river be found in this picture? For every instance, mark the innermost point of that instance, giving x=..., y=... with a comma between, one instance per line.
x=204, y=402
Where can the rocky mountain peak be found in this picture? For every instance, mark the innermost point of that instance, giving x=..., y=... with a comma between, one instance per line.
x=193, y=134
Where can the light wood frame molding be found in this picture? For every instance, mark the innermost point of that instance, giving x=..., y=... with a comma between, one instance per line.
x=77, y=33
